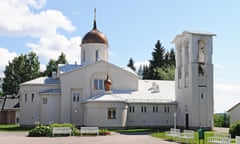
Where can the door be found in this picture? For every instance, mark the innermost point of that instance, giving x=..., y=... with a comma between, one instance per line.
x=186, y=120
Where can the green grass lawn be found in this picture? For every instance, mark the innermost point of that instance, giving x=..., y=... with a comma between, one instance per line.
x=136, y=130
x=161, y=134
x=13, y=128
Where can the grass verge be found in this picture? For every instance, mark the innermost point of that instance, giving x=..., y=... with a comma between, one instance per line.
x=13, y=128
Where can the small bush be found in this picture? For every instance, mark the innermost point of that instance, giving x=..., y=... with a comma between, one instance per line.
x=40, y=131
x=235, y=129
x=104, y=132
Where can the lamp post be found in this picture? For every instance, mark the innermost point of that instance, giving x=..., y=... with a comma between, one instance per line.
x=175, y=120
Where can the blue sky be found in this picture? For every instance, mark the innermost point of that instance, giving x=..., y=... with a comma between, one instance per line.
x=49, y=27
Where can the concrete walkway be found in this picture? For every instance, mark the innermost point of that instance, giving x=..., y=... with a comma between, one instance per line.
x=21, y=138
x=115, y=138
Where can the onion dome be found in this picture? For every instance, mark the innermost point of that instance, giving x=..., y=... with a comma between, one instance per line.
x=107, y=83
x=95, y=36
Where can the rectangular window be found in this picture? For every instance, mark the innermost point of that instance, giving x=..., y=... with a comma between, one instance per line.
x=96, y=55
x=166, y=109
x=98, y=84
x=155, y=109
x=74, y=97
x=44, y=100
x=32, y=97
x=143, y=109
x=84, y=56
x=101, y=84
x=25, y=97
x=78, y=97
x=111, y=113
x=131, y=109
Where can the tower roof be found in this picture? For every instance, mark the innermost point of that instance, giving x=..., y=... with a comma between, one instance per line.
x=95, y=36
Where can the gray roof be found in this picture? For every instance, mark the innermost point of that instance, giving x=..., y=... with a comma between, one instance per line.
x=11, y=103
x=63, y=68
x=43, y=80
x=51, y=91
x=150, y=91
x=235, y=106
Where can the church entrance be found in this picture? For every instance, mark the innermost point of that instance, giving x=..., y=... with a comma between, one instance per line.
x=76, y=107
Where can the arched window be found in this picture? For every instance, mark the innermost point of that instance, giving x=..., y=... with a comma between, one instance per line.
x=201, y=57
x=201, y=49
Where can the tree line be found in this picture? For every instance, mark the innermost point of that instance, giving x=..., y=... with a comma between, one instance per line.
x=27, y=67
x=24, y=68
x=161, y=67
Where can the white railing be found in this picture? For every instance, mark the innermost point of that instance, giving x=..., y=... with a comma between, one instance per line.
x=237, y=139
x=219, y=138
x=175, y=133
x=188, y=135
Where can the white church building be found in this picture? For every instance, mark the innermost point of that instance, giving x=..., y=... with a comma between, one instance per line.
x=99, y=93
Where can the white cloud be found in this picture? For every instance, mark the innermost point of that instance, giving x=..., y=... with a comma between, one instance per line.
x=28, y=18
x=218, y=65
x=226, y=95
x=139, y=63
x=19, y=20
x=5, y=58
x=50, y=47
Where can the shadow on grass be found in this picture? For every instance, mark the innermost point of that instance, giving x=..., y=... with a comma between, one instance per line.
x=13, y=128
x=137, y=131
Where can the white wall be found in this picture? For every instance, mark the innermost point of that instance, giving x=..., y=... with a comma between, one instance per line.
x=194, y=93
x=30, y=110
x=83, y=78
x=50, y=112
x=234, y=114
x=149, y=118
x=90, y=52
x=97, y=114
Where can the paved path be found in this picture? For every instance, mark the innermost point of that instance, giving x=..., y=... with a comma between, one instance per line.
x=21, y=138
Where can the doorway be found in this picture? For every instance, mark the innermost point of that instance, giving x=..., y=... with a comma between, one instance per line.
x=186, y=120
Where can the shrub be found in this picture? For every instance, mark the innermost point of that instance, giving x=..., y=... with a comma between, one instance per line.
x=235, y=129
x=40, y=131
x=104, y=132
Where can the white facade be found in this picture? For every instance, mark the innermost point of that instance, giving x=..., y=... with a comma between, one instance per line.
x=194, y=80
x=234, y=114
x=77, y=94
x=94, y=52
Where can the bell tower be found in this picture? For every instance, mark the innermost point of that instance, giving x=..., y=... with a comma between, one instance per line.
x=194, y=80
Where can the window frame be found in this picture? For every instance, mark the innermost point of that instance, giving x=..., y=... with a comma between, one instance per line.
x=111, y=113
x=98, y=84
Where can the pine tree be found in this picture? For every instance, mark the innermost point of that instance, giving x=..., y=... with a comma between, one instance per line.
x=53, y=64
x=157, y=60
x=162, y=65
